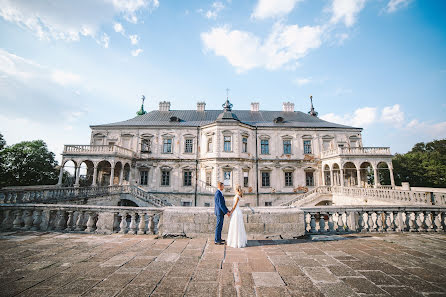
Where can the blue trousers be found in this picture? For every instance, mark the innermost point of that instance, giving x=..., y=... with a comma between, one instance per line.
x=220, y=219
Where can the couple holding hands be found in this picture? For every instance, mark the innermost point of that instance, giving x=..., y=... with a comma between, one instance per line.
x=236, y=232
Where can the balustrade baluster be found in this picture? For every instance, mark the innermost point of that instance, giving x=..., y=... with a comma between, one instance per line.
x=419, y=221
x=371, y=221
x=379, y=221
x=91, y=222
x=116, y=222
x=443, y=220
x=123, y=225
x=331, y=228
x=151, y=226
x=398, y=221
x=17, y=223
x=69, y=221
x=428, y=221
x=313, y=223
x=80, y=221
x=437, y=221
x=37, y=220
x=142, y=223
x=7, y=218
x=340, y=223
x=410, y=219
x=60, y=220
x=389, y=222
x=362, y=223
x=321, y=223
x=28, y=219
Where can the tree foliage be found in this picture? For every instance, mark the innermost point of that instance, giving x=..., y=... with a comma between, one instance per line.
x=27, y=163
x=423, y=166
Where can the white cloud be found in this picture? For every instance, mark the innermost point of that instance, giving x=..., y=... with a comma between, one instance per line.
x=302, y=81
x=394, y=5
x=244, y=50
x=71, y=20
x=346, y=11
x=213, y=12
x=393, y=115
x=136, y=52
x=65, y=78
x=26, y=70
x=361, y=117
x=435, y=130
x=134, y=39
x=118, y=28
x=268, y=8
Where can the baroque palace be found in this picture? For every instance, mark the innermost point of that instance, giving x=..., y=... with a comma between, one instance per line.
x=180, y=155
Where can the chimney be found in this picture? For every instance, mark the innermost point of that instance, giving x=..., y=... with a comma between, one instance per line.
x=288, y=107
x=164, y=105
x=255, y=106
x=201, y=106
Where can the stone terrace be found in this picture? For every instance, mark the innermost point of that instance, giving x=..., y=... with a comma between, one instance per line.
x=58, y=264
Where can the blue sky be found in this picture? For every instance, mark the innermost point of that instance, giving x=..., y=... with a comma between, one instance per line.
x=376, y=64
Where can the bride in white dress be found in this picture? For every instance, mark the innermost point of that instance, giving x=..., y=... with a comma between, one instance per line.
x=236, y=232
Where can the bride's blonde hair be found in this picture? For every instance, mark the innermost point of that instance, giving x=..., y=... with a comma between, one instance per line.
x=238, y=189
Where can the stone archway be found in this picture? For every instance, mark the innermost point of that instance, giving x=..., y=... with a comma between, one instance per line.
x=327, y=175
x=85, y=176
x=104, y=173
x=367, y=176
x=126, y=174
x=117, y=176
x=67, y=175
x=383, y=174
x=350, y=174
x=336, y=174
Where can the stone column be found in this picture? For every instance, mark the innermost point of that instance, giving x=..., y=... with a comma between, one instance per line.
x=332, y=183
x=375, y=176
x=112, y=174
x=121, y=175
x=358, y=176
x=95, y=173
x=392, y=180
x=77, y=172
x=341, y=172
x=59, y=183
x=324, y=183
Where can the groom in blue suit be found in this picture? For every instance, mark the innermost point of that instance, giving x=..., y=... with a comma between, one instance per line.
x=220, y=211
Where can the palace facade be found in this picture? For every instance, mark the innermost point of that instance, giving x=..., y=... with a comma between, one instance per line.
x=180, y=155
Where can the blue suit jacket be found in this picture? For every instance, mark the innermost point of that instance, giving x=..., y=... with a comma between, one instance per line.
x=220, y=205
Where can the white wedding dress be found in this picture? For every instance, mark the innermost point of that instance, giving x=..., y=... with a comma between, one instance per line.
x=236, y=232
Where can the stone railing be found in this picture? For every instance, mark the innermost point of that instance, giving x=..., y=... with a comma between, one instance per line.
x=79, y=218
x=401, y=196
x=356, y=151
x=326, y=220
x=203, y=187
x=109, y=150
x=145, y=196
x=315, y=192
x=54, y=195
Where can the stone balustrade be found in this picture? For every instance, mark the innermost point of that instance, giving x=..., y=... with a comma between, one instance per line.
x=145, y=196
x=326, y=220
x=80, y=218
x=54, y=195
x=308, y=195
x=103, y=150
x=356, y=151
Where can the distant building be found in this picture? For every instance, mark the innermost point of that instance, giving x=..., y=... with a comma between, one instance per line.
x=182, y=154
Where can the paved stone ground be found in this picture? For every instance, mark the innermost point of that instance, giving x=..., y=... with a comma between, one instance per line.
x=57, y=264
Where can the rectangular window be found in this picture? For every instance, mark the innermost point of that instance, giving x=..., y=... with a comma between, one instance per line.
x=209, y=148
x=145, y=146
x=287, y=147
x=288, y=179
x=326, y=144
x=309, y=181
x=187, y=180
x=264, y=146
x=244, y=145
x=268, y=203
x=167, y=145
x=208, y=178
x=245, y=179
x=265, y=179
x=227, y=178
x=144, y=177
x=307, y=146
x=227, y=143
x=188, y=147
x=186, y=203
x=165, y=178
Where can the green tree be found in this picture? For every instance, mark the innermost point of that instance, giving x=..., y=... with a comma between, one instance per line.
x=423, y=166
x=2, y=142
x=28, y=163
